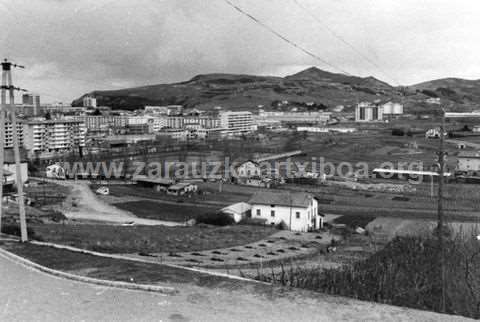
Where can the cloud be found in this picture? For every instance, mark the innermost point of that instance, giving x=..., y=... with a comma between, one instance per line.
x=71, y=47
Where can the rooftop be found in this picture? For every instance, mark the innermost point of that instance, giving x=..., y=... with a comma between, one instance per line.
x=283, y=198
x=469, y=154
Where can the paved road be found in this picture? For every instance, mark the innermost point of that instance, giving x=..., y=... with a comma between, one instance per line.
x=27, y=295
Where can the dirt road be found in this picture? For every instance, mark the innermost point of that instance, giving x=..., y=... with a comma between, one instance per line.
x=83, y=204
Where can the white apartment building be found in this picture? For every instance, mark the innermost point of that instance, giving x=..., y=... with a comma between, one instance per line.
x=267, y=118
x=89, y=101
x=236, y=123
x=60, y=135
x=298, y=210
x=95, y=123
x=8, y=142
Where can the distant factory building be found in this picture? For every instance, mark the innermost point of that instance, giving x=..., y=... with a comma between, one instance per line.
x=368, y=112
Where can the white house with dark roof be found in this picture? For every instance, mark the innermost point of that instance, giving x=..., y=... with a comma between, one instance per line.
x=298, y=210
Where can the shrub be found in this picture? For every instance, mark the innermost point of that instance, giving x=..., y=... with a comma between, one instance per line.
x=217, y=219
x=57, y=216
x=282, y=225
x=405, y=273
x=253, y=221
x=398, y=132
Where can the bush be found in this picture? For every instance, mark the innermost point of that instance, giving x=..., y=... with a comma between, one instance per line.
x=217, y=219
x=398, y=132
x=405, y=273
x=282, y=226
x=253, y=221
x=57, y=216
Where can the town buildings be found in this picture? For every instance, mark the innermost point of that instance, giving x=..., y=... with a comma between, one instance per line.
x=59, y=135
x=297, y=210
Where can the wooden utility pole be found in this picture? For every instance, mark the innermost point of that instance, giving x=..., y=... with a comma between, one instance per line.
x=7, y=84
x=440, y=219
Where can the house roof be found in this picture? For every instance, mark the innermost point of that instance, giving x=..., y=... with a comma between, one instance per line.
x=237, y=208
x=283, y=198
x=156, y=180
x=469, y=154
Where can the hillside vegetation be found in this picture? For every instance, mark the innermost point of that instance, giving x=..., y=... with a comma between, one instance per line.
x=325, y=89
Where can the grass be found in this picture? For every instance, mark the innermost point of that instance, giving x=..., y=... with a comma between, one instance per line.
x=150, y=239
x=210, y=194
x=114, y=269
x=164, y=211
x=354, y=221
x=46, y=193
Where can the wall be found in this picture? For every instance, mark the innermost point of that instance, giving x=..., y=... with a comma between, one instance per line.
x=283, y=214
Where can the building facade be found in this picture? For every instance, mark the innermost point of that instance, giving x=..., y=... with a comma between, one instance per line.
x=468, y=162
x=368, y=112
x=8, y=141
x=89, y=101
x=236, y=123
x=62, y=135
x=298, y=210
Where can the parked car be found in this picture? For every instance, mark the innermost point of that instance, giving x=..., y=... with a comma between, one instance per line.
x=103, y=191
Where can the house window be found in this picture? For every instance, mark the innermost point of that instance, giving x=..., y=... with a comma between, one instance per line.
x=272, y=213
x=273, y=206
x=259, y=212
x=297, y=214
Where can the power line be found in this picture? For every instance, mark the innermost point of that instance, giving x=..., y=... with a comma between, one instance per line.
x=344, y=41
x=285, y=39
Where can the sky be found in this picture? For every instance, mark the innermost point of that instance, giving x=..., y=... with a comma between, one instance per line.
x=71, y=47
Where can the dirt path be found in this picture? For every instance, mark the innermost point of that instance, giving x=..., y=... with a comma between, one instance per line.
x=83, y=204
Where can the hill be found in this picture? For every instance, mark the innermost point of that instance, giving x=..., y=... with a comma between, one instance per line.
x=325, y=89
x=455, y=90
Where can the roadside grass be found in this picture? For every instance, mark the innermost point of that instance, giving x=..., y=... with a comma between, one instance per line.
x=149, y=239
x=354, y=221
x=163, y=211
x=115, y=269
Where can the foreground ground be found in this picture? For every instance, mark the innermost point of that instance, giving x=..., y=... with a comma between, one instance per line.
x=28, y=295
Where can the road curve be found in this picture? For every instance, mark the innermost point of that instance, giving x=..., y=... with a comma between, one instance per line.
x=27, y=295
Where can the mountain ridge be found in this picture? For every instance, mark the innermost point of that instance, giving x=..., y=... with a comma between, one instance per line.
x=324, y=88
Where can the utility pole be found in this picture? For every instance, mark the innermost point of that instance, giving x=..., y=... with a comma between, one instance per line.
x=2, y=141
x=7, y=84
x=440, y=219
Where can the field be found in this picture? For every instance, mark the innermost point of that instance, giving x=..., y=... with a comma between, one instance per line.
x=149, y=239
x=164, y=211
